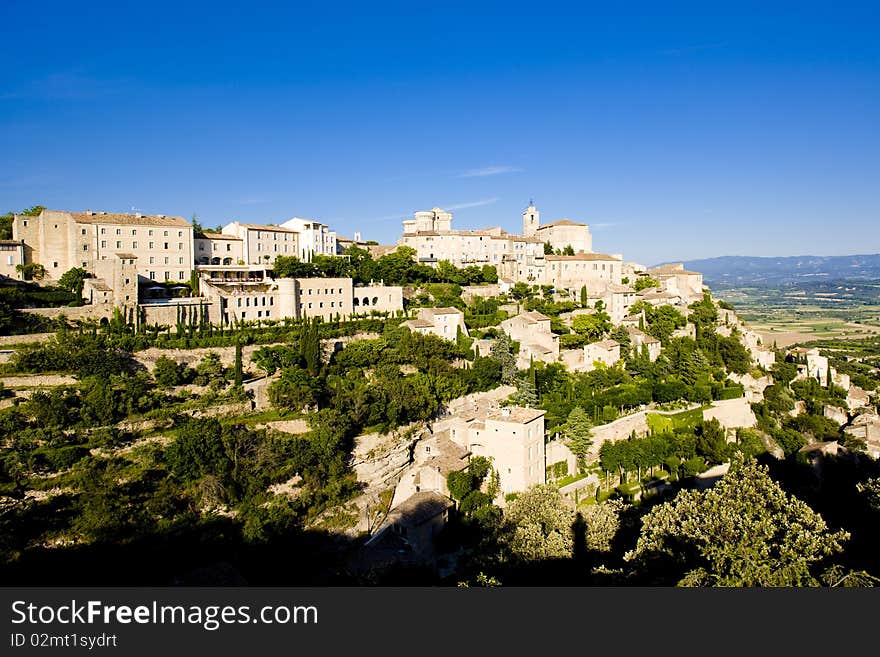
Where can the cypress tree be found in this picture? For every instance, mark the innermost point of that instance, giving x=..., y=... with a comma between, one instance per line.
x=239, y=373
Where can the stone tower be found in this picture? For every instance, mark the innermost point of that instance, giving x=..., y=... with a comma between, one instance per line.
x=531, y=221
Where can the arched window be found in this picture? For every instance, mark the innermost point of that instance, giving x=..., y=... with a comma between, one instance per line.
x=375, y=300
x=365, y=302
x=357, y=302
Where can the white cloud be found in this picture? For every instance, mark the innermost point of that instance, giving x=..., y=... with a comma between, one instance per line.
x=471, y=204
x=489, y=171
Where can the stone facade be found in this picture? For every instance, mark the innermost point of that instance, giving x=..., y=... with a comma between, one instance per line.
x=536, y=340
x=442, y=322
x=218, y=249
x=262, y=244
x=63, y=240
x=11, y=255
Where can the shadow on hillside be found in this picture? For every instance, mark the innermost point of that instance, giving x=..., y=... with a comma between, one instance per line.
x=213, y=553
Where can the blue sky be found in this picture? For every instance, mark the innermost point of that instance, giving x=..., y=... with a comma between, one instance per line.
x=676, y=130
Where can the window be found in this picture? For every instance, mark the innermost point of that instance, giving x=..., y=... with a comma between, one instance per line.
x=24, y=223
x=180, y=246
x=229, y=247
x=167, y=276
x=118, y=244
x=166, y=260
x=85, y=247
x=134, y=231
x=180, y=275
x=201, y=247
x=150, y=233
x=152, y=260
x=134, y=245
x=166, y=245
x=152, y=274
x=152, y=244
x=118, y=230
x=180, y=233
x=83, y=231
x=165, y=233
x=180, y=260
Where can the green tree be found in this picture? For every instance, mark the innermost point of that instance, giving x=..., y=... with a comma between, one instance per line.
x=568, y=250
x=167, y=372
x=238, y=376
x=602, y=522
x=644, y=282
x=746, y=531
x=585, y=300
x=525, y=394
x=502, y=352
x=593, y=326
x=539, y=525
x=72, y=281
x=577, y=432
x=31, y=271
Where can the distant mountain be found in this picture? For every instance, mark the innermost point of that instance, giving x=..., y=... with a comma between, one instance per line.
x=738, y=271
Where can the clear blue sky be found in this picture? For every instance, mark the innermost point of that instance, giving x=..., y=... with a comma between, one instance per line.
x=676, y=130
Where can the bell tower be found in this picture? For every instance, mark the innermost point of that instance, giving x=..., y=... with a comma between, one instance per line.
x=531, y=220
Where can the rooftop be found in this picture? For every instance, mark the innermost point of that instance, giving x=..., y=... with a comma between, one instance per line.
x=419, y=508
x=216, y=236
x=124, y=219
x=516, y=414
x=605, y=344
x=561, y=222
x=440, y=311
x=585, y=256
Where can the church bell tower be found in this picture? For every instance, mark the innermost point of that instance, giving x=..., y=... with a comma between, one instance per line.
x=531, y=220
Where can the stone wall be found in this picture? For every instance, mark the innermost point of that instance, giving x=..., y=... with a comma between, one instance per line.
x=731, y=413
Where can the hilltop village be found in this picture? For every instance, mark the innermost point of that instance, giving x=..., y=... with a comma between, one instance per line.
x=393, y=396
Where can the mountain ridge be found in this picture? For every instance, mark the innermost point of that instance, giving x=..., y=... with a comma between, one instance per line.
x=768, y=270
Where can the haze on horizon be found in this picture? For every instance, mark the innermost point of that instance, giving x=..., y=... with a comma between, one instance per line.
x=678, y=132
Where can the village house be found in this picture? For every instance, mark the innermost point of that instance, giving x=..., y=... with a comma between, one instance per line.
x=442, y=322
x=536, y=340
x=511, y=437
x=11, y=256
x=639, y=341
x=676, y=280
x=606, y=352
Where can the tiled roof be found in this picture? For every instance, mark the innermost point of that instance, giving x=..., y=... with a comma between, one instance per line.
x=516, y=414
x=561, y=222
x=129, y=219
x=584, y=256
x=216, y=236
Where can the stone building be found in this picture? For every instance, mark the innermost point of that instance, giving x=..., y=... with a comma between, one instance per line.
x=248, y=294
x=261, y=244
x=564, y=233
x=536, y=340
x=676, y=280
x=62, y=240
x=639, y=340
x=218, y=249
x=11, y=255
x=606, y=352
x=512, y=438
x=315, y=238
x=442, y=322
